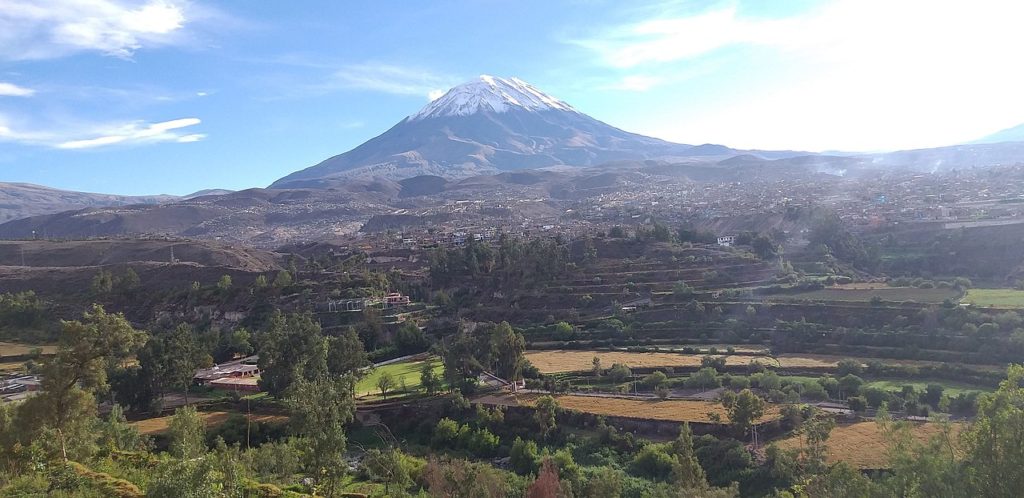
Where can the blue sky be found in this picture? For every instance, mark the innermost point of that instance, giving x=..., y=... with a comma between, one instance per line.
x=169, y=96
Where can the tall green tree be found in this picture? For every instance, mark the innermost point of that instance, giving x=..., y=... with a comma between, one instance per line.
x=88, y=349
x=293, y=349
x=187, y=433
x=320, y=409
x=345, y=353
x=743, y=409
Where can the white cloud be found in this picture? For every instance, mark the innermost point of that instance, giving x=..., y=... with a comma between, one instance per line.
x=12, y=90
x=41, y=29
x=99, y=135
x=850, y=74
x=138, y=132
x=392, y=79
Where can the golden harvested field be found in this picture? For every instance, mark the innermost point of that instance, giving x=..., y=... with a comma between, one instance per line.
x=158, y=425
x=12, y=366
x=16, y=349
x=862, y=445
x=561, y=360
x=672, y=410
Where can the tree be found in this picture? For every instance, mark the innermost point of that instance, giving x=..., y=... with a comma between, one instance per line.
x=703, y=378
x=116, y=434
x=409, y=338
x=850, y=384
x=182, y=356
x=261, y=282
x=187, y=434
x=103, y=282
x=320, y=408
x=385, y=383
x=130, y=280
x=655, y=379
x=292, y=349
x=604, y=482
x=545, y=411
x=682, y=290
x=524, y=456
x=462, y=479
x=994, y=443
x=67, y=404
x=428, y=379
x=345, y=353
x=596, y=368
x=547, y=484
x=283, y=279
x=857, y=403
x=619, y=373
x=224, y=283
x=387, y=466
x=743, y=409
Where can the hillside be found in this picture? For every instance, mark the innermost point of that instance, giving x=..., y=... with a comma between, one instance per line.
x=21, y=200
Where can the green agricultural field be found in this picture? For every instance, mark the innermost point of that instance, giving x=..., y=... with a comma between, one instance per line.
x=891, y=294
x=408, y=370
x=997, y=298
x=951, y=388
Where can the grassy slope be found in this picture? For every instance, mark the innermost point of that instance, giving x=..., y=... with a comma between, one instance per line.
x=999, y=298
x=409, y=370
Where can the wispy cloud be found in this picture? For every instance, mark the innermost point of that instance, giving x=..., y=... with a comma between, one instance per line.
x=42, y=29
x=393, y=79
x=94, y=136
x=666, y=39
x=12, y=90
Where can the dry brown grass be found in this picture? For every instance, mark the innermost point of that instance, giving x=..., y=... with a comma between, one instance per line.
x=561, y=360
x=671, y=410
x=862, y=445
x=12, y=366
x=159, y=425
x=17, y=349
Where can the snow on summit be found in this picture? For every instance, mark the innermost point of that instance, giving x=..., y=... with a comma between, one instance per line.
x=491, y=94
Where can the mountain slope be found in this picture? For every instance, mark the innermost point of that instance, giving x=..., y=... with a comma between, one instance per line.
x=1014, y=134
x=485, y=126
x=21, y=200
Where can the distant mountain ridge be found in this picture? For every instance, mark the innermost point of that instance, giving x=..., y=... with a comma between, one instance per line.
x=21, y=200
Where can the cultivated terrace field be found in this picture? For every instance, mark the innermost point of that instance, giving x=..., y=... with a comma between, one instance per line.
x=863, y=445
x=561, y=361
x=159, y=425
x=666, y=410
x=995, y=298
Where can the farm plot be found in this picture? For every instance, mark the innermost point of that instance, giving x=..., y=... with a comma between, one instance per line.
x=566, y=361
x=18, y=349
x=159, y=425
x=670, y=410
x=407, y=371
x=996, y=298
x=883, y=292
x=561, y=360
x=863, y=445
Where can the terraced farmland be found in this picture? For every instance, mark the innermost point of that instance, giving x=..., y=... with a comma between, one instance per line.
x=670, y=410
x=159, y=425
x=885, y=293
x=863, y=445
x=996, y=298
x=563, y=361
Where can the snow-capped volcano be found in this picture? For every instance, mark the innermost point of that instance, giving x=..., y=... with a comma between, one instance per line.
x=484, y=126
x=489, y=93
